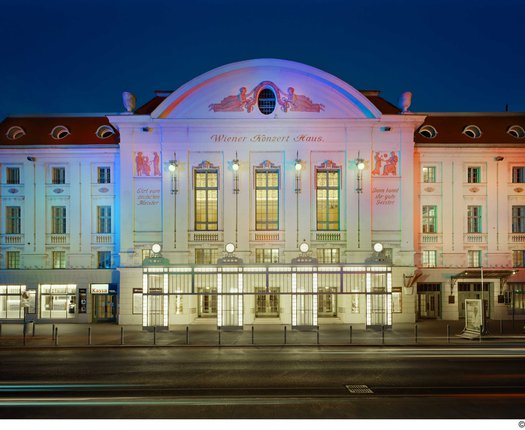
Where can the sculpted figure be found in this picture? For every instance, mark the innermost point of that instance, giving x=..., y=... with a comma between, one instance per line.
x=129, y=100
x=237, y=103
x=378, y=164
x=299, y=103
x=405, y=100
x=156, y=164
x=391, y=165
x=139, y=162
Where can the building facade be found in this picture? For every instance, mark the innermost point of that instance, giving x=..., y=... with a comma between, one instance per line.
x=261, y=192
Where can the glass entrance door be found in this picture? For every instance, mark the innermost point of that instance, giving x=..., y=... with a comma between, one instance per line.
x=327, y=302
x=266, y=305
x=105, y=307
x=207, y=302
x=428, y=305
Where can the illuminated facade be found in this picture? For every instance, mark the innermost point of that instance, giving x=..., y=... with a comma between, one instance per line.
x=266, y=184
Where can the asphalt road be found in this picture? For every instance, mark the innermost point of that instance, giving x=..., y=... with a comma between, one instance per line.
x=287, y=382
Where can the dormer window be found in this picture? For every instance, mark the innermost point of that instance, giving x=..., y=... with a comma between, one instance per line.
x=105, y=131
x=60, y=132
x=428, y=131
x=15, y=132
x=516, y=131
x=472, y=131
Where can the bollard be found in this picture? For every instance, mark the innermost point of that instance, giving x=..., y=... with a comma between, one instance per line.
x=415, y=333
x=317, y=335
x=187, y=335
x=448, y=333
x=25, y=328
x=253, y=334
x=285, y=335
x=89, y=335
x=56, y=336
x=480, y=332
x=53, y=332
x=154, y=335
x=0, y=329
x=122, y=335
x=350, y=334
x=219, y=332
x=500, y=326
x=383, y=334
x=34, y=328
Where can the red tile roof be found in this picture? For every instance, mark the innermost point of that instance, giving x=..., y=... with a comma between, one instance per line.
x=450, y=126
x=384, y=106
x=38, y=130
x=151, y=105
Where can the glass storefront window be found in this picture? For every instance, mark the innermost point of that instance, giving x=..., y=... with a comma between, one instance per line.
x=10, y=301
x=58, y=301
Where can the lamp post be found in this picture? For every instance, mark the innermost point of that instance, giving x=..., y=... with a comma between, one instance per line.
x=360, y=164
x=235, y=167
x=298, y=168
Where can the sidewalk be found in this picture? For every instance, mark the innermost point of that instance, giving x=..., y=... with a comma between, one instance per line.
x=430, y=333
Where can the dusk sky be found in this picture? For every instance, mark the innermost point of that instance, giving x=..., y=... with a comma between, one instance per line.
x=75, y=56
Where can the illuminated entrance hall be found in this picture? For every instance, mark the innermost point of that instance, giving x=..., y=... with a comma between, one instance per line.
x=262, y=192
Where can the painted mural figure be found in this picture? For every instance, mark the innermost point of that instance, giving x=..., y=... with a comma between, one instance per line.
x=139, y=162
x=156, y=164
x=146, y=168
x=299, y=103
x=391, y=165
x=378, y=163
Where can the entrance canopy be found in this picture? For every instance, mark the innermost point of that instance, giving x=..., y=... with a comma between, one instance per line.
x=487, y=274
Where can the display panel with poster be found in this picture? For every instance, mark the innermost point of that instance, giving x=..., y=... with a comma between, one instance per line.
x=473, y=315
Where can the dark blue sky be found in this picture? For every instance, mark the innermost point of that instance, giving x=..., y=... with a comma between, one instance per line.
x=68, y=56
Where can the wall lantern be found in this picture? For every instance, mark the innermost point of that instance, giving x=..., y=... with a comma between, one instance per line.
x=172, y=167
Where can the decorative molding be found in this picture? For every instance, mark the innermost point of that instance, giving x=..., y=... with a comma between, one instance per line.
x=205, y=164
x=12, y=190
x=289, y=101
x=429, y=189
x=58, y=190
x=518, y=189
x=267, y=164
x=473, y=189
x=103, y=190
x=328, y=164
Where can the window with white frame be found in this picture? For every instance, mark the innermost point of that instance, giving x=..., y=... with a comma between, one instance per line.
x=474, y=219
x=518, y=219
x=10, y=301
x=518, y=258
x=266, y=255
x=327, y=188
x=12, y=175
x=104, y=259
x=58, y=220
x=58, y=301
x=267, y=199
x=13, y=259
x=429, y=174
x=429, y=219
x=12, y=220
x=474, y=175
x=474, y=258
x=104, y=219
x=103, y=175
x=328, y=255
x=206, y=183
x=58, y=175
x=206, y=255
x=59, y=259
x=518, y=174
x=429, y=258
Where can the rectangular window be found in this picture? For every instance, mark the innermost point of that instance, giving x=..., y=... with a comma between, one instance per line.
x=103, y=175
x=266, y=255
x=58, y=301
x=429, y=219
x=518, y=174
x=104, y=259
x=474, y=219
x=13, y=259
x=59, y=259
x=206, y=200
x=267, y=199
x=12, y=175
x=518, y=219
x=10, y=301
x=104, y=219
x=58, y=219
x=474, y=258
x=58, y=175
x=12, y=220
x=518, y=258
x=429, y=174
x=328, y=255
x=206, y=256
x=429, y=258
x=327, y=198
x=474, y=175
